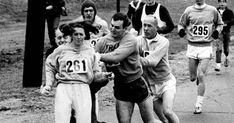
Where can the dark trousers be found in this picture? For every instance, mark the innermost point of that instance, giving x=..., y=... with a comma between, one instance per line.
x=52, y=25
x=222, y=46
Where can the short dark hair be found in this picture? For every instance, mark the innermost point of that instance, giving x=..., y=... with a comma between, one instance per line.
x=223, y=0
x=87, y=4
x=123, y=17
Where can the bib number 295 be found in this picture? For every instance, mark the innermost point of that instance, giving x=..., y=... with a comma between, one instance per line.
x=200, y=30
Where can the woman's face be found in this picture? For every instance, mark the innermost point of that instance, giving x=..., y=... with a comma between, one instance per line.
x=78, y=36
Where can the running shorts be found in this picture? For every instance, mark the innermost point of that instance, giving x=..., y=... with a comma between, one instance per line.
x=136, y=91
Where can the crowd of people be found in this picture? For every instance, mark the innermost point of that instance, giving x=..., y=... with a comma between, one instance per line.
x=132, y=52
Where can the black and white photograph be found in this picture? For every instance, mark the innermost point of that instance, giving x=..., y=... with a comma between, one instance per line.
x=116, y=61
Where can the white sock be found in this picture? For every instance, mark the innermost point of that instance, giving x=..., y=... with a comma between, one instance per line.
x=199, y=101
x=218, y=64
x=226, y=57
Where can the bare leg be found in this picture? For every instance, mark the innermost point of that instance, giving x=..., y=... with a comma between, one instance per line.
x=201, y=74
x=124, y=111
x=146, y=110
x=193, y=65
x=158, y=109
x=168, y=101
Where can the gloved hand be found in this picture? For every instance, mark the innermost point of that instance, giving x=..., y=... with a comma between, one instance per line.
x=182, y=33
x=45, y=90
x=215, y=34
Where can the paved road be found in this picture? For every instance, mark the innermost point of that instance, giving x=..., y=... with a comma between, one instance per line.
x=218, y=105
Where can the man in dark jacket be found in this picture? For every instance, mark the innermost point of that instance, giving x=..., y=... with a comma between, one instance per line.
x=132, y=7
x=54, y=9
x=228, y=19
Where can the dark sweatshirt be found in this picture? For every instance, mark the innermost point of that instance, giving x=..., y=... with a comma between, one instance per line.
x=228, y=18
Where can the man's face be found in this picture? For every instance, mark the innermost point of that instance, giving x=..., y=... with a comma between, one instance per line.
x=222, y=4
x=89, y=13
x=149, y=30
x=200, y=2
x=116, y=28
x=60, y=39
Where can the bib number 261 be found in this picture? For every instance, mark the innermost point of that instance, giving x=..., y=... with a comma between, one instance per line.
x=76, y=66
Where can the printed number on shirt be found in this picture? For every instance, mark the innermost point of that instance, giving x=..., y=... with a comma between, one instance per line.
x=146, y=53
x=93, y=42
x=200, y=30
x=76, y=66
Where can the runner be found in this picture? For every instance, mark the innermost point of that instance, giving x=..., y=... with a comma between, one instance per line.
x=89, y=13
x=165, y=22
x=202, y=24
x=73, y=66
x=120, y=53
x=133, y=6
x=157, y=71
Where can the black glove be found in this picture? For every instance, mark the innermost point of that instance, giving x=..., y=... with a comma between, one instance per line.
x=215, y=34
x=182, y=33
x=95, y=86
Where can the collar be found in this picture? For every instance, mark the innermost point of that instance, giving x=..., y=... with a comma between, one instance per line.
x=200, y=7
x=155, y=39
x=219, y=8
x=137, y=5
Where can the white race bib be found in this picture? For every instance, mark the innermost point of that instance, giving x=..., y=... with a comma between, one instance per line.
x=78, y=65
x=200, y=30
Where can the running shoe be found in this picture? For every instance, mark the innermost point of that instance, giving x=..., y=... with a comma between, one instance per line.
x=198, y=110
x=226, y=62
x=218, y=67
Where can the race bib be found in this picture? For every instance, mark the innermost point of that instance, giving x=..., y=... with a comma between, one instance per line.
x=200, y=30
x=77, y=65
x=93, y=42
